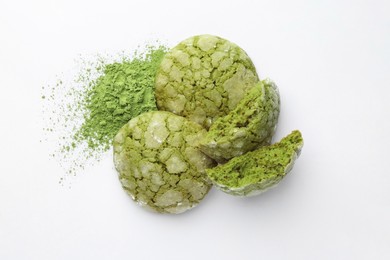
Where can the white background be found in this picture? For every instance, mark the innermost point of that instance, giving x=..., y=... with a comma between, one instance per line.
x=331, y=61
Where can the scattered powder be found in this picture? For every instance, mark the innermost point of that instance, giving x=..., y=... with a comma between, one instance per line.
x=83, y=114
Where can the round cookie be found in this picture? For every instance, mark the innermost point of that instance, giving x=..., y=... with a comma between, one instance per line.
x=203, y=77
x=247, y=127
x=159, y=164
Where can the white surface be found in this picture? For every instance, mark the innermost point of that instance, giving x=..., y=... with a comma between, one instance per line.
x=331, y=60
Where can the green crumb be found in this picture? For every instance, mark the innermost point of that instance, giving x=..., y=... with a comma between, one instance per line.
x=204, y=77
x=159, y=163
x=125, y=90
x=249, y=126
x=259, y=170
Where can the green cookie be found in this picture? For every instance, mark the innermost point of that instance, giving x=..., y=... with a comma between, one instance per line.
x=259, y=170
x=159, y=164
x=203, y=78
x=247, y=127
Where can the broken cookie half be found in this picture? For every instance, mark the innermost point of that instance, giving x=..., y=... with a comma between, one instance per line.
x=247, y=127
x=257, y=171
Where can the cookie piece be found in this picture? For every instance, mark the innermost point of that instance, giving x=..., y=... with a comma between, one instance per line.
x=247, y=127
x=257, y=171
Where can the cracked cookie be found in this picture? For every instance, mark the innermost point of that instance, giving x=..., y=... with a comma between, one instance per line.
x=159, y=163
x=204, y=77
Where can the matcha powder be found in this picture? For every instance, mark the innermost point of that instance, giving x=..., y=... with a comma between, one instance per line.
x=124, y=91
x=84, y=114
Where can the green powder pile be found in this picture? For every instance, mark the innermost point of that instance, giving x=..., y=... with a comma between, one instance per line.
x=82, y=113
x=125, y=90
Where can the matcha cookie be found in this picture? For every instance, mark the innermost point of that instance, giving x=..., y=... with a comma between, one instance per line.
x=159, y=164
x=247, y=127
x=203, y=78
x=259, y=170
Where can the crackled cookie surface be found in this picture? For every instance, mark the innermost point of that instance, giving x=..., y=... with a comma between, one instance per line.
x=259, y=170
x=159, y=164
x=203, y=78
x=247, y=127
